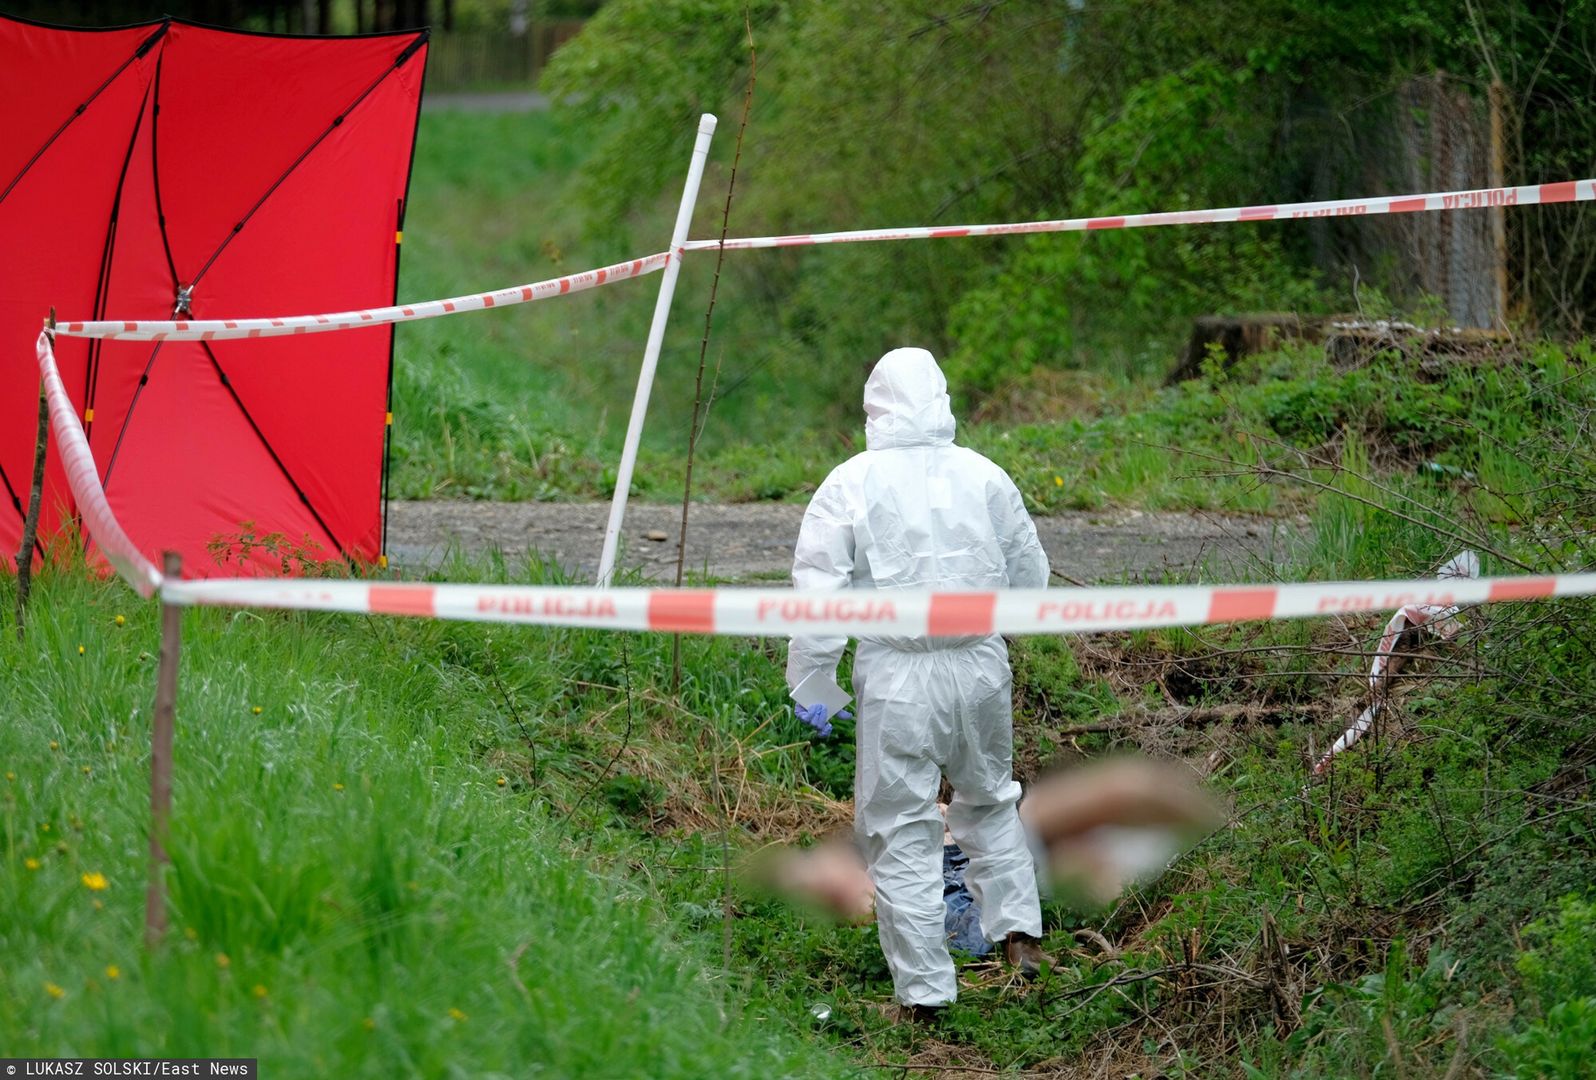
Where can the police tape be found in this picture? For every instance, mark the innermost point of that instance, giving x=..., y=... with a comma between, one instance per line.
x=1479, y=198
x=1442, y=620
x=867, y=614
x=83, y=478
x=221, y=329
x=770, y=612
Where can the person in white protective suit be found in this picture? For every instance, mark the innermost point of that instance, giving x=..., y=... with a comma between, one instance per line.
x=914, y=511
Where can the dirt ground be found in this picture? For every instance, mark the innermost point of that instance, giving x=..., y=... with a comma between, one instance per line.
x=753, y=541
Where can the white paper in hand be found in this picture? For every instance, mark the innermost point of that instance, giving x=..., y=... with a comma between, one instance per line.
x=818, y=688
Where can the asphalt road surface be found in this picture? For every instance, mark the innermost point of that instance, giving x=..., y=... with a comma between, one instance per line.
x=754, y=541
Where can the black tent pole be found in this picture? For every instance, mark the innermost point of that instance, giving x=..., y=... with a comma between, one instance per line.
x=393, y=334
x=144, y=47
x=103, y=284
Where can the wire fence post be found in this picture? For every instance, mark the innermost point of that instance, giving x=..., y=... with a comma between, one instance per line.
x=1497, y=177
x=656, y=335
x=161, y=757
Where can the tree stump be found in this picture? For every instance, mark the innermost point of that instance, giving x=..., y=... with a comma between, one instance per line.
x=1349, y=341
x=1241, y=335
x=1352, y=344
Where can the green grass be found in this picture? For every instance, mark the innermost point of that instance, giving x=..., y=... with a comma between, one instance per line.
x=442, y=849
x=352, y=890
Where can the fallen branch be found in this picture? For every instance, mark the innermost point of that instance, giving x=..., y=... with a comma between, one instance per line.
x=905, y=1068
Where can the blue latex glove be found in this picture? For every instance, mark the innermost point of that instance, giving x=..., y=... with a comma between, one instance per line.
x=817, y=717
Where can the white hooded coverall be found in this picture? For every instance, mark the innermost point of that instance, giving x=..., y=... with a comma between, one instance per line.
x=916, y=512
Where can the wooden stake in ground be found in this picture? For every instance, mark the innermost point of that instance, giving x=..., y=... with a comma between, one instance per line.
x=30, y=522
x=161, y=757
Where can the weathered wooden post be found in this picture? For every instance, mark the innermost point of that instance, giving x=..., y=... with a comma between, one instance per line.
x=30, y=521
x=161, y=756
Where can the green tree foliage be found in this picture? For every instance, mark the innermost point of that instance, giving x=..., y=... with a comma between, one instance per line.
x=641, y=73
x=910, y=113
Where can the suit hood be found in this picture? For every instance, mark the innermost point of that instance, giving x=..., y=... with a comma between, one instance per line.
x=906, y=402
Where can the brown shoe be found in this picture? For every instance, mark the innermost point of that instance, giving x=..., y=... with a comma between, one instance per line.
x=1024, y=954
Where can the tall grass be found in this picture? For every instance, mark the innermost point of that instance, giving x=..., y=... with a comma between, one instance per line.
x=442, y=848
x=364, y=881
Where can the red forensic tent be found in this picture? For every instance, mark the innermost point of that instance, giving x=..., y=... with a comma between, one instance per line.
x=152, y=171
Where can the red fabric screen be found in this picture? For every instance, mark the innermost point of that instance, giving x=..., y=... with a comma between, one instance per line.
x=267, y=175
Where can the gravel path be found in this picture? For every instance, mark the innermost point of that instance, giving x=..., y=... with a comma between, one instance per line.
x=753, y=541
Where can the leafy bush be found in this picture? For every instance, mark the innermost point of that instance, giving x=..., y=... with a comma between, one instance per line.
x=1559, y=995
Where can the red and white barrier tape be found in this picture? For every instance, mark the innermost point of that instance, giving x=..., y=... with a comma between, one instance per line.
x=1442, y=619
x=783, y=612
x=218, y=329
x=773, y=612
x=1527, y=195
x=83, y=478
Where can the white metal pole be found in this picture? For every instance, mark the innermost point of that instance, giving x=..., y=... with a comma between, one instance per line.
x=656, y=335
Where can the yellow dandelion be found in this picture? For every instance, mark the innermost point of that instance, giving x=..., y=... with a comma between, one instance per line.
x=31, y=864
x=256, y=710
x=81, y=650
x=338, y=787
x=113, y=972
x=457, y=1016
x=87, y=770
x=369, y=1024
x=259, y=990
x=54, y=745
x=95, y=881
x=501, y=781
x=1058, y=481
x=44, y=826
x=54, y=991
x=222, y=961
x=121, y=620
x=11, y=776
